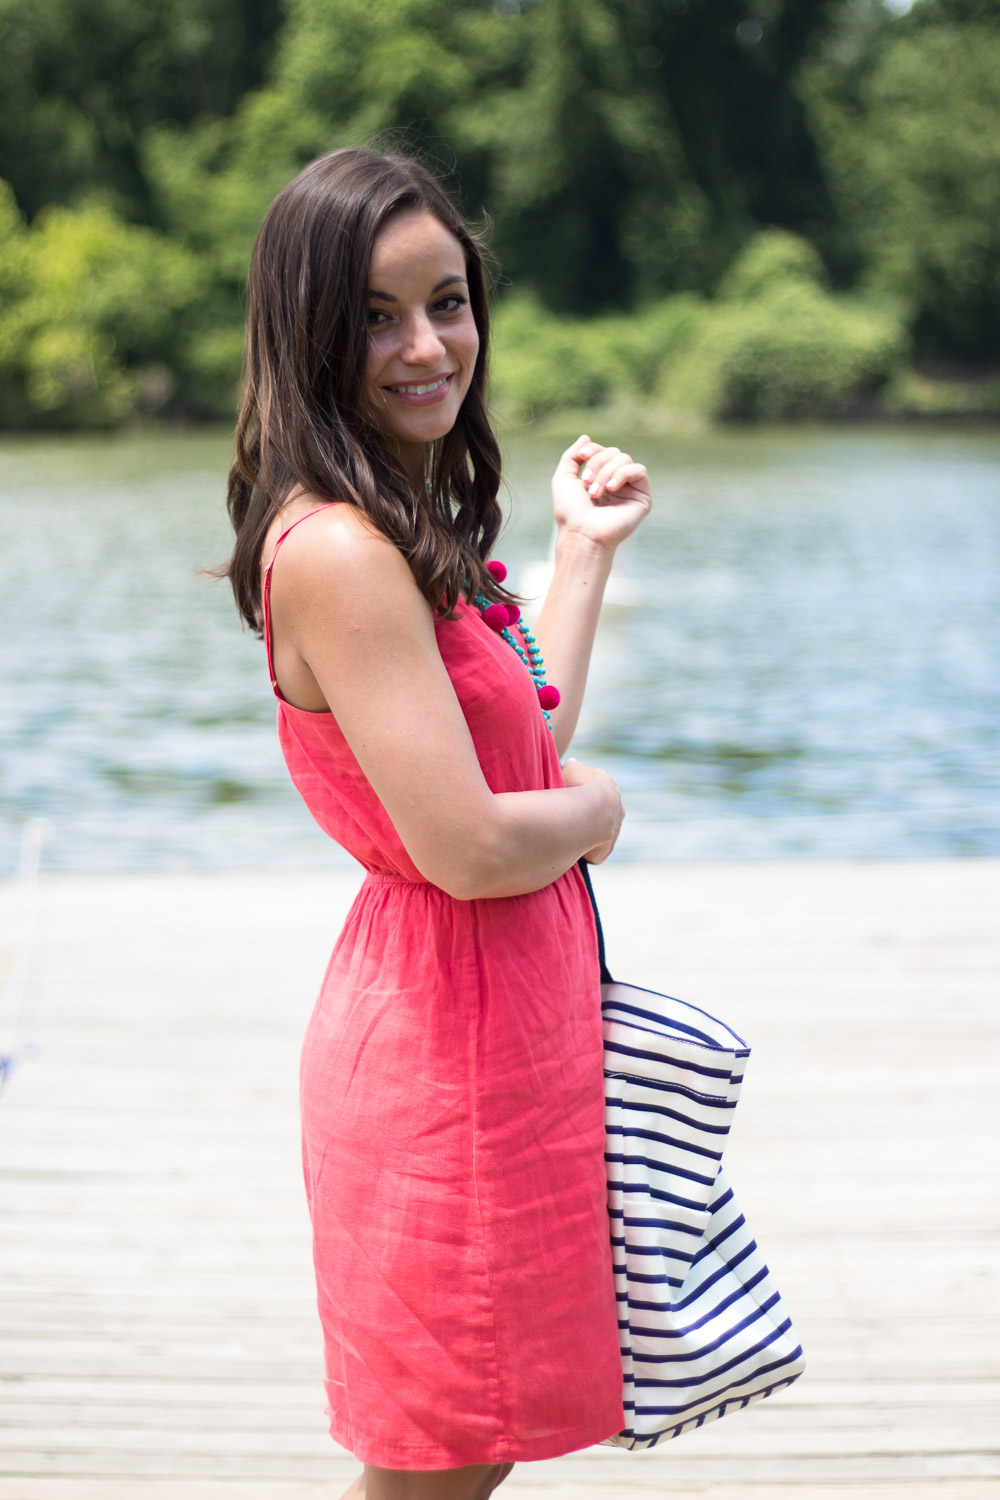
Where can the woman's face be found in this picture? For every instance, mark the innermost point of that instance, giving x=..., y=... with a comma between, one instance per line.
x=422, y=336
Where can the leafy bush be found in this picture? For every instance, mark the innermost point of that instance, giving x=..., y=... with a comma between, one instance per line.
x=540, y=363
x=543, y=363
x=15, y=258
x=96, y=318
x=773, y=261
x=209, y=369
x=776, y=345
x=910, y=134
x=773, y=345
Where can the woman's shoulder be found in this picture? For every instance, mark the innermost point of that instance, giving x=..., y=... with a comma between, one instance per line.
x=332, y=545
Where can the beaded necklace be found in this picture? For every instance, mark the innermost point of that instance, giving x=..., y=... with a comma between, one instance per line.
x=501, y=617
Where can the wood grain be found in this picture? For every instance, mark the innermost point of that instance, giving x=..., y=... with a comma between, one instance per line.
x=157, y=1331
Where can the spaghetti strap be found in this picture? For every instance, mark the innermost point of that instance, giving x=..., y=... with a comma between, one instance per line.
x=267, y=594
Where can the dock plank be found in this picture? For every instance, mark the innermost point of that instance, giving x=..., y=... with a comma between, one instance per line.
x=157, y=1331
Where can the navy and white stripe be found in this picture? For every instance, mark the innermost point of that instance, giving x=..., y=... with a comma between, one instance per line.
x=703, y=1328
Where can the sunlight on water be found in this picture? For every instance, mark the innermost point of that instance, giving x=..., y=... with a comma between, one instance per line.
x=800, y=657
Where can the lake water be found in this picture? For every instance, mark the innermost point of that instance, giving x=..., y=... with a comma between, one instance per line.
x=801, y=658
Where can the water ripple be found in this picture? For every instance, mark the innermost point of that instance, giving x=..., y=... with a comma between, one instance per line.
x=800, y=656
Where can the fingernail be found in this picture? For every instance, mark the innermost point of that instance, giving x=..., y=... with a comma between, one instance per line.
x=585, y=475
x=595, y=489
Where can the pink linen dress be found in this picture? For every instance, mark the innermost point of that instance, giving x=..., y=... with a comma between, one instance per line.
x=453, y=1120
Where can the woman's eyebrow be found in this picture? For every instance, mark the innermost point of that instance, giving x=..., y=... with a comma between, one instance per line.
x=447, y=281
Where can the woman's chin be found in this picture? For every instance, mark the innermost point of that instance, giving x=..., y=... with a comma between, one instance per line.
x=428, y=429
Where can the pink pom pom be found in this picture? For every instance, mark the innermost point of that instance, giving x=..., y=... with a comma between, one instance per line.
x=497, y=570
x=513, y=612
x=549, y=696
x=496, y=617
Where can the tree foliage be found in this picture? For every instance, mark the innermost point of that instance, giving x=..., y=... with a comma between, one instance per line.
x=637, y=158
x=82, y=79
x=91, y=313
x=774, y=344
x=913, y=146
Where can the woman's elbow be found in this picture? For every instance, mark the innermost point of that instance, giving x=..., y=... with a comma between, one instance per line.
x=464, y=889
x=468, y=869
x=463, y=878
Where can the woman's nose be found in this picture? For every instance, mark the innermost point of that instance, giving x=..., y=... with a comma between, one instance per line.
x=423, y=345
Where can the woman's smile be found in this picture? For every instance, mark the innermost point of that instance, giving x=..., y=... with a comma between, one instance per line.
x=422, y=393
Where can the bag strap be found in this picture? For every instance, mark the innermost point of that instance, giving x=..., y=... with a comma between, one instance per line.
x=585, y=872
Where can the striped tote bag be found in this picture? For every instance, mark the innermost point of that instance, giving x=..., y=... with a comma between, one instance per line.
x=703, y=1328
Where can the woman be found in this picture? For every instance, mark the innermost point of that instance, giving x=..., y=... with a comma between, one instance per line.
x=451, y=1074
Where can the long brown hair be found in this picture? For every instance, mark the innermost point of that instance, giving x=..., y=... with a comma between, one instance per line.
x=302, y=420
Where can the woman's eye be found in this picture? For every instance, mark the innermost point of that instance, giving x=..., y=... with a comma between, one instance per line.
x=377, y=317
x=452, y=303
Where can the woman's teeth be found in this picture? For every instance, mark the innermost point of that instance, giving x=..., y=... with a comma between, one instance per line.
x=420, y=390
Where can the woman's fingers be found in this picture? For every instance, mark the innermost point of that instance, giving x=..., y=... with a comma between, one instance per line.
x=599, y=467
x=602, y=468
x=578, y=773
x=612, y=471
x=578, y=452
x=594, y=481
x=626, y=474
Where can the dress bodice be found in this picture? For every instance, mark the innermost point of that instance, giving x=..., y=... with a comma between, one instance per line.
x=513, y=743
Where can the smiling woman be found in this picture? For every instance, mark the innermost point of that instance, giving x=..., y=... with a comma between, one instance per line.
x=452, y=1090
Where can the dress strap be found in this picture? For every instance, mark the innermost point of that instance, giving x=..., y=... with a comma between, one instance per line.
x=267, y=594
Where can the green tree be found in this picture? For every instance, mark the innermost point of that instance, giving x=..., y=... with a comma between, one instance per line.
x=82, y=79
x=624, y=148
x=15, y=272
x=636, y=145
x=94, y=316
x=777, y=345
x=911, y=133
x=627, y=151
x=730, y=71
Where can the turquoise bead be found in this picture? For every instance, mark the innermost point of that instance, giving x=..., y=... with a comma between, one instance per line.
x=532, y=659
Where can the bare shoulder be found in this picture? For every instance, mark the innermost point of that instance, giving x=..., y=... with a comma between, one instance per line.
x=337, y=562
x=324, y=534
x=329, y=544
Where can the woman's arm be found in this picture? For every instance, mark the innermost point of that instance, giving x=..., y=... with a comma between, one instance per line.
x=599, y=497
x=344, y=599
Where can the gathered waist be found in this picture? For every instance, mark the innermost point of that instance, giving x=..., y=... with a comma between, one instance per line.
x=392, y=877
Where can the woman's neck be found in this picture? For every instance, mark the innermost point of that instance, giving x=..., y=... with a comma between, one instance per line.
x=412, y=459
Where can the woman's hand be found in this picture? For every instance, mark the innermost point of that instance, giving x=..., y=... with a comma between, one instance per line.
x=599, y=496
x=599, y=493
x=576, y=773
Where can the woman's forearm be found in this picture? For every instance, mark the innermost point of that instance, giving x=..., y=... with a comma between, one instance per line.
x=567, y=624
x=525, y=841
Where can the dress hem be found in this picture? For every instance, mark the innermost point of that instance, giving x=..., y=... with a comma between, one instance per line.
x=387, y=1455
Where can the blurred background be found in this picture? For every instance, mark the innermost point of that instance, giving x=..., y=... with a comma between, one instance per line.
x=756, y=241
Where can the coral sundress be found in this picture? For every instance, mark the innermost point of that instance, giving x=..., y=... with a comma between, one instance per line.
x=453, y=1120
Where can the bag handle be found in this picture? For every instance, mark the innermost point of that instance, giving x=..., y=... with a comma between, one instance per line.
x=585, y=872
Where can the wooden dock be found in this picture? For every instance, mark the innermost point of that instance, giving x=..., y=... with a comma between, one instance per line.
x=157, y=1333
